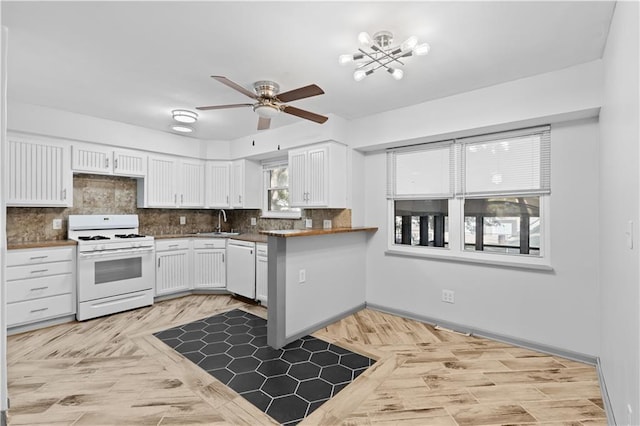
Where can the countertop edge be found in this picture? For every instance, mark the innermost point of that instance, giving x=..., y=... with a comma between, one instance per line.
x=41, y=244
x=289, y=233
x=253, y=237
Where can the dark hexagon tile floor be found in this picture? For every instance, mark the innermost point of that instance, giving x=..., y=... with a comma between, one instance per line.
x=288, y=384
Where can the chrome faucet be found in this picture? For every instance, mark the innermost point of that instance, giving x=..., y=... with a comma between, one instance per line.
x=219, y=227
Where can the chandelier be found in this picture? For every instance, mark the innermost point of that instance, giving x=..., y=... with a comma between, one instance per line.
x=382, y=54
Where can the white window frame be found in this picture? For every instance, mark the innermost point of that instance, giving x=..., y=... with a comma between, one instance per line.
x=456, y=247
x=267, y=166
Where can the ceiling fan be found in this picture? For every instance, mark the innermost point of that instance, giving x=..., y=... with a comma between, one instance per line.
x=269, y=103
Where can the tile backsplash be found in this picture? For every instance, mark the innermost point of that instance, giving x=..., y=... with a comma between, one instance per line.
x=96, y=194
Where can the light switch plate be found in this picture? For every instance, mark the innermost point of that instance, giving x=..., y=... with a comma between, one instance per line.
x=254, y=222
x=183, y=220
x=57, y=223
x=326, y=224
x=308, y=223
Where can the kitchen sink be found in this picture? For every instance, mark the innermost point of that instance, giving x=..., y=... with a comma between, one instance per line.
x=217, y=234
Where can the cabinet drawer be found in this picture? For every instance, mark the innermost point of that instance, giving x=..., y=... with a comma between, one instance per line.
x=32, y=257
x=42, y=270
x=213, y=243
x=261, y=250
x=36, y=288
x=39, y=309
x=172, y=244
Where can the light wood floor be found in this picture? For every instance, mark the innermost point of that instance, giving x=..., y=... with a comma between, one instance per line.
x=112, y=371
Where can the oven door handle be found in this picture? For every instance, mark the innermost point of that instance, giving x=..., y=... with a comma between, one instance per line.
x=117, y=252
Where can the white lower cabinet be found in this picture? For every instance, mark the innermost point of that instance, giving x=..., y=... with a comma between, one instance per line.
x=172, y=266
x=209, y=266
x=41, y=284
x=262, y=273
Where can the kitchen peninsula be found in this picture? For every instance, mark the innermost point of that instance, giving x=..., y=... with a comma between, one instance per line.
x=315, y=278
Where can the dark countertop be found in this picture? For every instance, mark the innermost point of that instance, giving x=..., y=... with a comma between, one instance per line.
x=253, y=237
x=288, y=233
x=41, y=244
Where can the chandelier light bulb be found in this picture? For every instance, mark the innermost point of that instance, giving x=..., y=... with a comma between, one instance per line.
x=396, y=73
x=365, y=38
x=422, y=49
x=409, y=43
x=345, y=59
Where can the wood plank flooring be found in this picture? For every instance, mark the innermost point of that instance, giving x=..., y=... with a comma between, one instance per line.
x=112, y=371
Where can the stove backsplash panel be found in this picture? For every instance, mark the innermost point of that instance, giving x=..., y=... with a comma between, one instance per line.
x=96, y=194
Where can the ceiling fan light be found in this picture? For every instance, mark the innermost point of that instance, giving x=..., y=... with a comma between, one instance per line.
x=181, y=128
x=409, y=43
x=421, y=49
x=365, y=38
x=184, y=116
x=266, y=111
x=345, y=59
x=396, y=73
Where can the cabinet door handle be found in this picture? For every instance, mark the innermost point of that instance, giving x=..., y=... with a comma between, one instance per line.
x=175, y=198
x=38, y=257
x=39, y=271
x=227, y=199
x=106, y=163
x=173, y=245
x=64, y=194
x=240, y=199
x=222, y=257
x=115, y=163
x=159, y=261
x=39, y=288
x=33, y=311
x=181, y=198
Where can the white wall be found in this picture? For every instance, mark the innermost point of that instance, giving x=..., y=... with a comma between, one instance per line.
x=619, y=199
x=63, y=124
x=570, y=93
x=335, y=282
x=558, y=309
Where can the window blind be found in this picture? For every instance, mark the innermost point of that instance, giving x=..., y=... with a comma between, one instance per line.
x=516, y=162
x=424, y=171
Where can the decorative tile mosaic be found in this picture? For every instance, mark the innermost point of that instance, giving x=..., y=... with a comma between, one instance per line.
x=288, y=384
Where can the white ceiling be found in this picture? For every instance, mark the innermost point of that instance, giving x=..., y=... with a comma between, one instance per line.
x=134, y=62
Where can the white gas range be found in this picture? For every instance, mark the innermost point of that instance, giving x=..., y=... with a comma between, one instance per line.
x=115, y=265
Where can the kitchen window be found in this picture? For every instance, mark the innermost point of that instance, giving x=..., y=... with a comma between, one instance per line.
x=482, y=199
x=276, y=191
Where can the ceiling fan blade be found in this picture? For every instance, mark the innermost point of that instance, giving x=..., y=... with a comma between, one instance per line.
x=263, y=123
x=206, y=108
x=234, y=86
x=304, y=114
x=300, y=93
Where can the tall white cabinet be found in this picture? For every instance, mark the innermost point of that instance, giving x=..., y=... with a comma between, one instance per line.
x=246, y=184
x=217, y=179
x=318, y=176
x=39, y=172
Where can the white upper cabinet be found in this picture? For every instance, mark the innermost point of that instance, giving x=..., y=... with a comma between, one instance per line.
x=217, y=184
x=39, y=173
x=93, y=158
x=172, y=182
x=246, y=184
x=318, y=176
x=191, y=183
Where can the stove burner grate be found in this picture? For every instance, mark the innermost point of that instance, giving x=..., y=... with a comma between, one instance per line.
x=94, y=237
x=129, y=236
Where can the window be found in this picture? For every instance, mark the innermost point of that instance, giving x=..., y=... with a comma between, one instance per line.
x=479, y=199
x=276, y=191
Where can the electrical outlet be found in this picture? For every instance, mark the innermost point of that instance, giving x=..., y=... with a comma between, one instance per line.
x=183, y=220
x=57, y=223
x=448, y=296
x=308, y=223
x=302, y=275
x=326, y=224
x=254, y=221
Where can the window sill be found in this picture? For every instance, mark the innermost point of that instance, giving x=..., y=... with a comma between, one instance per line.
x=292, y=216
x=536, y=264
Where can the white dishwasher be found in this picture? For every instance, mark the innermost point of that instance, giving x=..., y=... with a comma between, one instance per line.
x=241, y=268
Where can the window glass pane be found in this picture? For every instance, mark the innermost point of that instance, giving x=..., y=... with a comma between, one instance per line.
x=502, y=225
x=279, y=177
x=422, y=222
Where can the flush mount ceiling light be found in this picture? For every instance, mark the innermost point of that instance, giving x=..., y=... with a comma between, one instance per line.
x=182, y=128
x=184, y=116
x=383, y=54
